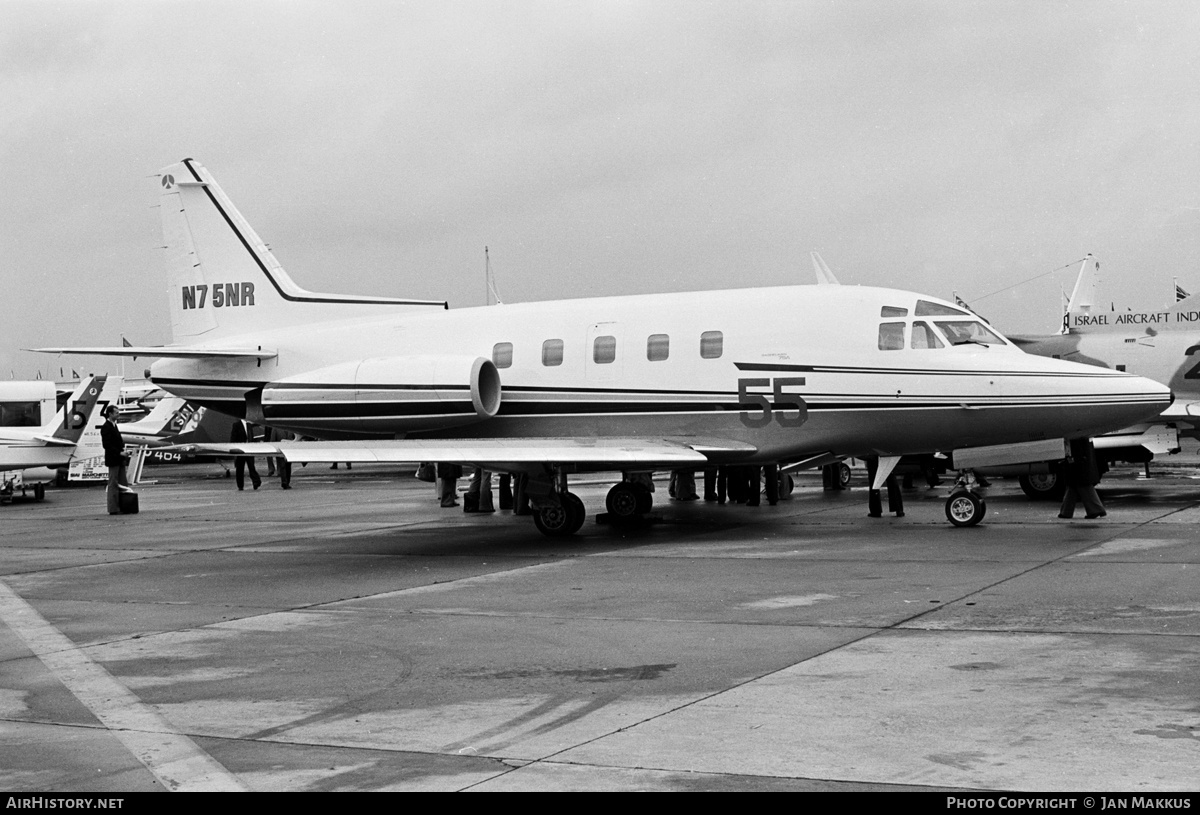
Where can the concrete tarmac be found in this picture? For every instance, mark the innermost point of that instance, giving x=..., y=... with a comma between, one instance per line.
x=349, y=634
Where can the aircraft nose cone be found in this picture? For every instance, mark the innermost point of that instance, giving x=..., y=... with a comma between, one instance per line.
x=1138, y=399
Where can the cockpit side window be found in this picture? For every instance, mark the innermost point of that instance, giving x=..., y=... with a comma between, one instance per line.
x=891, y=336
x=960, y=332
x=893, y=311
x=928, y=309
x=925, y=337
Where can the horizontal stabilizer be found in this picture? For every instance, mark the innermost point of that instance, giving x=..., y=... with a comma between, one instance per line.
x=54, y=440
x=163, y=352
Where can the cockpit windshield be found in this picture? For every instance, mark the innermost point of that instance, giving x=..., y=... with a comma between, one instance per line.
x=960, y=332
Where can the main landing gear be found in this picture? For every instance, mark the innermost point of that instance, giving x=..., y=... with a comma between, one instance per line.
x=1042, y=486
x=561, y=519
x=557, y=512
x=628, y=501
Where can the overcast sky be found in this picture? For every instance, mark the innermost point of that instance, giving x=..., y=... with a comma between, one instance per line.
x=599, y=148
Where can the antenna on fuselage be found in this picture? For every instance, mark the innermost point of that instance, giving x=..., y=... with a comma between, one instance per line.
x=492, y=296
x=825, y=276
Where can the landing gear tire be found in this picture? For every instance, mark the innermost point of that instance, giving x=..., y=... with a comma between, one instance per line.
x=39, y=492
x=786, y=485
x=625, y=501
x=843, y=474
x=965, y=508
x=1042, y=486
x=562, y=520
x=577, y=508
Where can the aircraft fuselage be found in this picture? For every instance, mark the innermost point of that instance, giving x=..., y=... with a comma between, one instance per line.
x=789, y=370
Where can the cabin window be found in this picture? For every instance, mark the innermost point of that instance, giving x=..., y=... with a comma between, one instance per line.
x=552, y=353
x=893, y=311
x=712, y=344
x=960, y=332
x=928, y=309
x=658, y=347
x=604, y=349
x=502, y=354
x=891, y=336
x=925, y=337
x=20, y=414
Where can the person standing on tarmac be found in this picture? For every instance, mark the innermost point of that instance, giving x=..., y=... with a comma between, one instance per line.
x=114, y=460
x=243, y=432
x=448, y=475
x=875, y=500
x=1083, y=474
x=281, y=463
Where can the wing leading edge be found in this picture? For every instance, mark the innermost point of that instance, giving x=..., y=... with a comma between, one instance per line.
x=163, y=352
x=614, y=452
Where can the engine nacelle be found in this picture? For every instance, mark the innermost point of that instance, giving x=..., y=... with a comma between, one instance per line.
x=386, y=395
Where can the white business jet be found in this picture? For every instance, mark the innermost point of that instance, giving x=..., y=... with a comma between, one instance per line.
x=809, y=374
x=56, y=443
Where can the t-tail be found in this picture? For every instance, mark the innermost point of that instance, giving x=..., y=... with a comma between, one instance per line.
x=224, y=280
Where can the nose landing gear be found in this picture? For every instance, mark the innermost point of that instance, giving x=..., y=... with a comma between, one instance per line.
x=965, y=507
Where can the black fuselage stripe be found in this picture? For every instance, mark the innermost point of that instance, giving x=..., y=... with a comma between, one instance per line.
x=349, y=411
x=839, y=369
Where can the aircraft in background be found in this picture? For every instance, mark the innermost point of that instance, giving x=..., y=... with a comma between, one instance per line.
x=1162, y=345
x=801, y=374
x=63, y=439
x=170, y=418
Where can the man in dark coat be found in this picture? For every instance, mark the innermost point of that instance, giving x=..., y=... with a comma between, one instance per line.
x=114, y=459
x=1082, y=474
x=242, y=432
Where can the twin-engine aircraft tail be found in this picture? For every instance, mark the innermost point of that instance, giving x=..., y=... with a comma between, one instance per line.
x=223, y=279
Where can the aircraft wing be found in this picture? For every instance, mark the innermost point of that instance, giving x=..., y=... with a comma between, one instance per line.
x=1182, y=410
x=163, y=351
x=514, y=453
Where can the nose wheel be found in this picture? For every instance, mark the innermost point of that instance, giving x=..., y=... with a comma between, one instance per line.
x=964, y=508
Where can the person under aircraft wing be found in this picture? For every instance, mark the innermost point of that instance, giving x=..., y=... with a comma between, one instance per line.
x=501, y=454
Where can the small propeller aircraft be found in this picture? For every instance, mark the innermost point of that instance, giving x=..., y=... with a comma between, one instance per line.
x=55, y=444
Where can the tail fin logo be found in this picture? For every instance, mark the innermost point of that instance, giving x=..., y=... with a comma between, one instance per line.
x=79, y=412
x=168, y=181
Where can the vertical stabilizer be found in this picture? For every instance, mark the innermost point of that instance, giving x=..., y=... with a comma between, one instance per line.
x=224, y=280
x=79, y=409
x=1083, y=296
